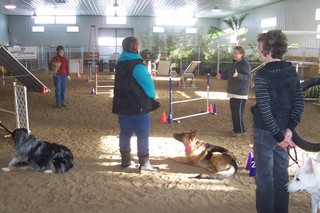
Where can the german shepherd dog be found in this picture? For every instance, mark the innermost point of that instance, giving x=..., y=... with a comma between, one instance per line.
x=39, y=155
x=215, y=159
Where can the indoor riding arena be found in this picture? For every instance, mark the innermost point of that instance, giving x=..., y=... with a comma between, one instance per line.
x=97, y=182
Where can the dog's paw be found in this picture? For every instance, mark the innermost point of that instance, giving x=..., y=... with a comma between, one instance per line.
x=48, y=171
x=6, y=169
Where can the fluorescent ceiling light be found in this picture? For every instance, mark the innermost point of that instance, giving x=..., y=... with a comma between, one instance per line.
x=10, y=6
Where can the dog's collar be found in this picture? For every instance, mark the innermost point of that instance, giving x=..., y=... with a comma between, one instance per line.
x=192, y=144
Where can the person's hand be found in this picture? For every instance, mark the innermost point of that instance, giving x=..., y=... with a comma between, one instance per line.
x=287, y=142
x=284, y=145
x=235, y=74
x=69, y=78
x=218, y=76
x=288, y=134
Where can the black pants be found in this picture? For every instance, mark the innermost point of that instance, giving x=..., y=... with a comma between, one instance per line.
x=237, y=108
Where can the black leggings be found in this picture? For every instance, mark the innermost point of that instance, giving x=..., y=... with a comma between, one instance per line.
x=237, y=108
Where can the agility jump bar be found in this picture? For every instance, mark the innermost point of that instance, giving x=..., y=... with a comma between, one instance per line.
x=170, y=117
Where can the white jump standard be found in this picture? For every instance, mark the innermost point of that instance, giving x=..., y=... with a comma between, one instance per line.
x=170, y=117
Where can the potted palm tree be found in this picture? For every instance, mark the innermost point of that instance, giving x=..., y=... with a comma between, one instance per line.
x=101, y=64
x=234, y=23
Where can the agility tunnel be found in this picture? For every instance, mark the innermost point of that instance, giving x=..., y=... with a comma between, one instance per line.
x=297, y=139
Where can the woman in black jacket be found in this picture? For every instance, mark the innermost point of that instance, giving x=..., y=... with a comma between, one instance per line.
x=280, y=103
x=238, y=88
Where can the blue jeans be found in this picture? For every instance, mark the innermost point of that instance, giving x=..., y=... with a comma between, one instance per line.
x=271, y=174
x=60, y=85
x=138, y=124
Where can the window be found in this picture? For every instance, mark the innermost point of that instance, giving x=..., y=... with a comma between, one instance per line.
x=66, y=19
x=116, y=20
x=318, y=30
x=72, y=29
x=182, y=21
x=269, y=22
x=44, y=20
x=55, y=20
x=318, y=14
x=158, y=29
x=37, y=29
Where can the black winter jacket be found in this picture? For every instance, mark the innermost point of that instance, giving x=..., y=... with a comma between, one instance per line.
x=280, y=100
x=129, y=97
x=239, y=85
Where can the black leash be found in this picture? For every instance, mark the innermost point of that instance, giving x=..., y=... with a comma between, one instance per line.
x=295, y=159
x=5, y=128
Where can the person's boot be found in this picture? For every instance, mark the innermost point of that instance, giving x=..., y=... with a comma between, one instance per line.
x=125, y=159
x=145, y=165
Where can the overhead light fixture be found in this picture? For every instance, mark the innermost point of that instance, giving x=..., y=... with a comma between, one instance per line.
x=216, y=9
x=115, y=14
x=115, y=4
x=10, y=6
x=34, y=14
x=194, y=15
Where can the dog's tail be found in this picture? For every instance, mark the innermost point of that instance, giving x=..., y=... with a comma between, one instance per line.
x=219, y=175
x=222, y=174
x=63, y=162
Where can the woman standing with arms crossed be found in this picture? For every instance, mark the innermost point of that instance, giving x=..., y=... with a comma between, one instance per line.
x=133, y=100
x=280, y=103
x=238, y=88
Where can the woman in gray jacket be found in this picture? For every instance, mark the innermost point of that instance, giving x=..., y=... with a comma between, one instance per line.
x=238, y=88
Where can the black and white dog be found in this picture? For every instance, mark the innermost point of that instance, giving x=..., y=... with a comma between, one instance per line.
x=41, y=156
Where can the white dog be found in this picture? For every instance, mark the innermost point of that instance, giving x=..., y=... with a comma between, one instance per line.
x=307, y=178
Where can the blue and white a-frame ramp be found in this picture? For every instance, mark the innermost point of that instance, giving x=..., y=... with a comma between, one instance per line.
x=20, y=72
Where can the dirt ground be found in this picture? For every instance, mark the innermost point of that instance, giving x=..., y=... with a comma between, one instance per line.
x=97, y=183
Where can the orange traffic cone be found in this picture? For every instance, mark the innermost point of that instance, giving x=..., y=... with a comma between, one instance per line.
x=78, y=75
x=210, y=108
x=44, y=90
x=163, y=118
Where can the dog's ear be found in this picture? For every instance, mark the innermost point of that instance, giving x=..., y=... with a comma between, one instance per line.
x=308, y=166
x=193, y=132
x=318, y=158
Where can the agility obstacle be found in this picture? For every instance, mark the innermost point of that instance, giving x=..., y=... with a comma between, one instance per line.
x=207, y=111
x=106, y=81
x=20, y=72
x=21, y=107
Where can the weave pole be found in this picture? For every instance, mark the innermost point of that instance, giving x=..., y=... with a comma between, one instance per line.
x=170, y=117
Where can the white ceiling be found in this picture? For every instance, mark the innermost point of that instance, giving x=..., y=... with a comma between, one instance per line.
x=199, y=8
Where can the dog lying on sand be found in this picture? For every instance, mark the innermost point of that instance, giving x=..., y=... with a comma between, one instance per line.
x=215, y=159
x=41, y=156
x=307, y=178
